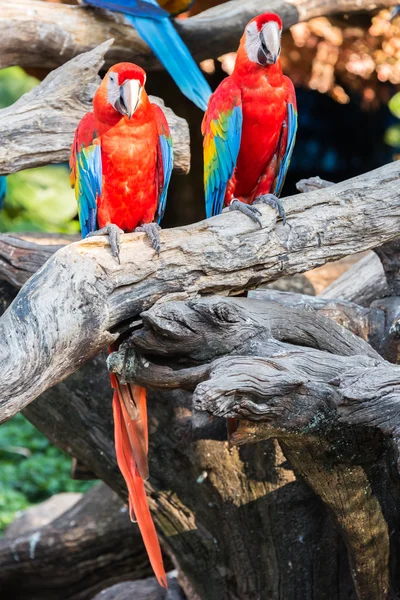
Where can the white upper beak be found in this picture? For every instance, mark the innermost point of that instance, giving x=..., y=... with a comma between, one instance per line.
x=130, y=92
x=272, y=36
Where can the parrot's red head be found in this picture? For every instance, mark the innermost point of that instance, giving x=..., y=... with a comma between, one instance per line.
x=125, y=83
x=121, y=92
x=262, y=39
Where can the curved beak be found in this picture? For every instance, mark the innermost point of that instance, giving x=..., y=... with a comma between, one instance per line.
x=129, y=97
x=270, y=37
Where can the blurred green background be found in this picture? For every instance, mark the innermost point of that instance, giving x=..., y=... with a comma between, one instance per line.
x=36, y=199
x=31, y=469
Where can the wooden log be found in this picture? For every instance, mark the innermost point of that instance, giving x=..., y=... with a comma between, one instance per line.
x=362, y=283
x=37, y=33
x=91, y=545
x=39, y=128
x=367, y=323
x=82, y=294
x=144, y=589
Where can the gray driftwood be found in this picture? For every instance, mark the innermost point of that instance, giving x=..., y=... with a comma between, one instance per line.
x=72, y=308
x=143, y=589
x=36, y=33
x=39, y=128
x=77, y=554
x=361, y=283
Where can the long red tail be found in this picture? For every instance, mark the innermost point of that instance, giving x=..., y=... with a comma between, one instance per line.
x=131, y=447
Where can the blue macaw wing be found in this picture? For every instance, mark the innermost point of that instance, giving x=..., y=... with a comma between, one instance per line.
x=165, y=160
x=86, y=172
x=153, y=24
x=136, y=8
x=286, y=149
x=222, y=130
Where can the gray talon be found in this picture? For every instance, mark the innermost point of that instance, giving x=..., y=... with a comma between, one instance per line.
x=114, y=234
x=152, y=232
x=274, y=202
x=247, y=209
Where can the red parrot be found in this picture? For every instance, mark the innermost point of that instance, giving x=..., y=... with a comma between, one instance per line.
x=121, y=163
x=250, y=126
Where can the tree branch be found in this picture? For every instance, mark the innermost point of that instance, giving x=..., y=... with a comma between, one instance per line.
x=71, y=309
x=36, y=33
x=39, y=128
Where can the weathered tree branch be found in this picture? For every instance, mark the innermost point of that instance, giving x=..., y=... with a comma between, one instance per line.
x=59, y=331
x=143, y=589
x=36, y=33
x=77, y=554
x=362, y=283
x=367, y=323
x=39, y=128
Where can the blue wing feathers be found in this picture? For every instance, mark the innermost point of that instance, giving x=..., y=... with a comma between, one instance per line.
x=89, y=186
x=291, y=139
x=224, y=161
x=154, y=26
x=3, y=189
x=168, y=161
x=171, y=51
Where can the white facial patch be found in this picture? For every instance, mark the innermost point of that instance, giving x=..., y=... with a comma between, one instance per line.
x=112, y=88
x=252, y=43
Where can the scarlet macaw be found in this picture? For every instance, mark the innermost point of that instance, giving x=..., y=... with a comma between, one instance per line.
x=154, y=25
x=250, y=126
x=121, y=163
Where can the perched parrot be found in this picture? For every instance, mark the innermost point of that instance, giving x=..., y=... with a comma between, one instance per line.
x=250, y=126
x=121, y=163
x=154, y=25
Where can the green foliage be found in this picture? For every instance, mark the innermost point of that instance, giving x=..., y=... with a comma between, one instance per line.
x=39, y=200
x=31, y=469
x=394, y=105
x=14, y=82
x=392, y=136
x=36, y=199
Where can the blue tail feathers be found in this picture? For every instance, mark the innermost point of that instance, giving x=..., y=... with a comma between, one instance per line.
x=154, y=26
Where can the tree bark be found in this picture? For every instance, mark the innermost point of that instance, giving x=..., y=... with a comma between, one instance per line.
x=77, y=554
x=96, y=296
x=334, y=413
x=143, y=589
x=39, y=128
x=40, y=34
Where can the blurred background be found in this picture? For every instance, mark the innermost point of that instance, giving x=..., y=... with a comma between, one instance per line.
x=347, y=77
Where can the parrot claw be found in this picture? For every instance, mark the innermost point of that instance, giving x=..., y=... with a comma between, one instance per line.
x=114, y=235
x=274, y=202
x=250, y=211
x=152, y=232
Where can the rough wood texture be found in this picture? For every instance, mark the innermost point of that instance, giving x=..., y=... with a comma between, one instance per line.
x=274, y=511
x=367, y=323
x=36, y=33
x=362, y=283
x=39, y=128
x=59, y=331
x=143, y=589
x=334, y=413
x=77, y=554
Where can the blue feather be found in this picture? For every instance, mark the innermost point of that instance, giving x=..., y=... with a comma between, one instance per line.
x=154, y=26
x=168, y=162
x=3, y=189
x=90, y=182
x=284, y=166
